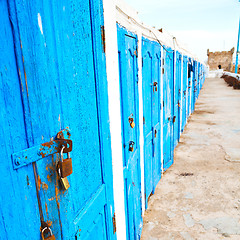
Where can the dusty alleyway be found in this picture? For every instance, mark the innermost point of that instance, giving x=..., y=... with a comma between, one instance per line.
x=199, y=196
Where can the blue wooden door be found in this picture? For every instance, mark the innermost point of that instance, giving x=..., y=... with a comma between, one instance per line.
x=194, y=85
x=177, y=98
x=151, y=73
x=189, y=89
x=184, y=93
x=168, y=98
x=127, y=49
x=56, y=62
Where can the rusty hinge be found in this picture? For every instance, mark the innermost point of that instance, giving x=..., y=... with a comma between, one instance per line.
x=40, y=151
x=114, y=224
x=103, y=38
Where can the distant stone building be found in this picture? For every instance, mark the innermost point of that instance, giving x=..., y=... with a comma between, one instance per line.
x=220, y=60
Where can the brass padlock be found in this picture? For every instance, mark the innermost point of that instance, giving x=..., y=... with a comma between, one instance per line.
x=131, y=121
x=50, y=237
x=65, y=165
x=131, y=146
x=64, y=181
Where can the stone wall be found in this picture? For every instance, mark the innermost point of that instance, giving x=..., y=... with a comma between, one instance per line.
x=220, y=60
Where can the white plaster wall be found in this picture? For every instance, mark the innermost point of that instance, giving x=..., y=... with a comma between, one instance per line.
x=139, y=35
x=161, y=86
x=115, y=114
x=181, y=109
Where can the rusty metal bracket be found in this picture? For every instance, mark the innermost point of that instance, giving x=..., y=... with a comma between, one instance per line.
x=41, y=151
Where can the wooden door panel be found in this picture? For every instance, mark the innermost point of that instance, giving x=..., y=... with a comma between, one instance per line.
x=58, y=50
x=127, y=47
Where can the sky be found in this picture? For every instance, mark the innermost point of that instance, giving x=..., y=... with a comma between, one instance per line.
x=200, y=25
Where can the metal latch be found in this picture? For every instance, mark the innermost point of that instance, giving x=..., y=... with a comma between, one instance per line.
x=41, y=151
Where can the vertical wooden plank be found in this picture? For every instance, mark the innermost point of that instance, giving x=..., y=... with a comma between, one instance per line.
x=18, y=208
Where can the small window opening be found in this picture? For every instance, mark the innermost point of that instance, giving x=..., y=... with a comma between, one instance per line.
x=219, y=67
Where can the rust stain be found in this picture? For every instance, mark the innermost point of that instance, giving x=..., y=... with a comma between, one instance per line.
x=69, y=134
x=114, y=224
x=39, y=182
x=43, y=155
x=28, y=181
x=44, y=186
x=49, y=223
x=46, y=206
x=60, y=134
x=25, y=76
x=103, y=38
x=51, y=199
x=47, y=144
x=49, y=177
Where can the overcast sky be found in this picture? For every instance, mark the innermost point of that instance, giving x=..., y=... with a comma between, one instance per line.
x=199, y=24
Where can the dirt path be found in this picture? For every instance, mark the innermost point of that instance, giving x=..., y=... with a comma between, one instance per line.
x=199, y=196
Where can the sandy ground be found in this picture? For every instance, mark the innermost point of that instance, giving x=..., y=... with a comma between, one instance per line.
x=199, y=196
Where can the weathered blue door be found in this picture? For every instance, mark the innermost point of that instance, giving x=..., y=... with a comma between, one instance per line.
x=52, y=73
x=168, y=96
x=184, y=92
x=151, y=73
x=127, y=52
x=189, y=90
x=177, y=97
x=194, y=89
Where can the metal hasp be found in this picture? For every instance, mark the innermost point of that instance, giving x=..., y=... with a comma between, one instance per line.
x=38, y=152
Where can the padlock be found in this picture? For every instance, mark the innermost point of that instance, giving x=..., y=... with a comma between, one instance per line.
x=64, y=181
x=65, y=165
x=131, y=121
x=132, y=124
x=155, y=86
x=51, y=237
x=131, y=146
